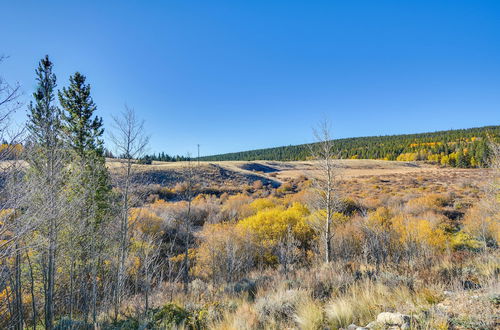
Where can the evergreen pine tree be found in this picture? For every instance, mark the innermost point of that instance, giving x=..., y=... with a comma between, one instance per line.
x=83, y=135
x=47, y=174
x=462, y=160
x=84, y=130
x=89, y=184
x=44, y=118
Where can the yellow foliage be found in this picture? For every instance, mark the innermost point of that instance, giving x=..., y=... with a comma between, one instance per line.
x=463, y=240
x=180, y=257
x=481, y=225
x=4, y=300
x=318, y=218
x=146, y=221
x=262, y=204
x=236, y=206
x=434, y=158
x=427, y=202
x=5, y=214
x=271, y=225
x=381, y=216
x=427, y=144
x=220, y=245
x=473, y=162
x=445, y=160
x=419, y=230
x=407, y=157
x=15, y=149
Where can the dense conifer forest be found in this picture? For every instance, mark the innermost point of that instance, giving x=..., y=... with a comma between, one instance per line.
x=457, y=148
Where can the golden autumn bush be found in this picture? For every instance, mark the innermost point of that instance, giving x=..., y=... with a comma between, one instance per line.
x=412, y=229
x=482, y=225
x=235, y=207
x=427, y=202
x=225, y=252
x=146, y=221
x=272, y=224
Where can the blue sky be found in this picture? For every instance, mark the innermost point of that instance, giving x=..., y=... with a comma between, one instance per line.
x=239, y=75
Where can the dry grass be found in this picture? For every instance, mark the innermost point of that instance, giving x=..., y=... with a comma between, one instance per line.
x=309, y=314
x=364, y=301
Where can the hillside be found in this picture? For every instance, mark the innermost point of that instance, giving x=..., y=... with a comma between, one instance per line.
x=459, y=148
x=236, y=175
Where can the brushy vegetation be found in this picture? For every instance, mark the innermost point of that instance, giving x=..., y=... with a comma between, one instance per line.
x=258, y=263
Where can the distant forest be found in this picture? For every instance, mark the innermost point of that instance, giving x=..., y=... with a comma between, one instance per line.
x=457, y=148
x=163, y=157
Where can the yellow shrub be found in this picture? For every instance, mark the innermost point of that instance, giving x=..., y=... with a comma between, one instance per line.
x=146, y=221
x=426, y=202
x=434, y=158
x=225, y=251
x=381, y=216
x=482, y=225
x=236, y=206
x=271, y=225
x=262, y=204
x=445, y=160
x=407, y=157
x=463, y=240
x=419, y=230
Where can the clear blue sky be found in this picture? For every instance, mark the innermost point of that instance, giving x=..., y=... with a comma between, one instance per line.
x=238, y=75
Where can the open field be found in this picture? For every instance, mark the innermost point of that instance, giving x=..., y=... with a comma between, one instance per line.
x=356, y=178
x=349, y=167
x=246, y=172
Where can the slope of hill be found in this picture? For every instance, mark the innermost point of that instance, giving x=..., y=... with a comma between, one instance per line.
x=460, y=148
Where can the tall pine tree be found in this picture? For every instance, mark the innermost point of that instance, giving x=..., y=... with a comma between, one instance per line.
x=47, y=175
x=90, y=185
x=83, y=135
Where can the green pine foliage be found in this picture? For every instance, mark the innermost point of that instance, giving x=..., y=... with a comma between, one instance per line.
x=44, y=118
x=83, y=130
x=457, y=148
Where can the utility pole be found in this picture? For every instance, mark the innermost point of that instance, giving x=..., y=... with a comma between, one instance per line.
x=198, y=154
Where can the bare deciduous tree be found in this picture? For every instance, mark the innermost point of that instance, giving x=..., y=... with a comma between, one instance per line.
x=325, y=181
x=14, y=226
x=9, y=95
x=130, y=143
x=490, y=204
